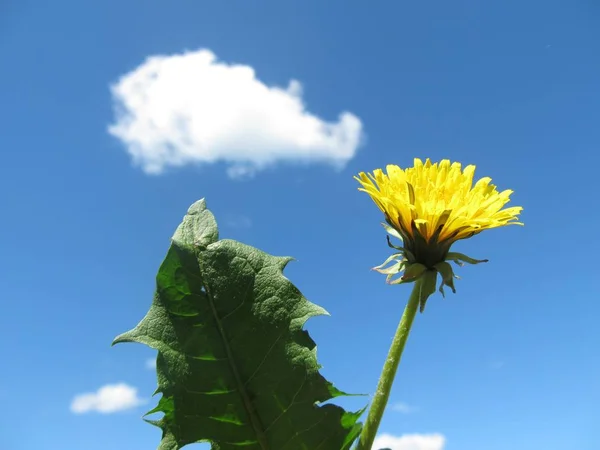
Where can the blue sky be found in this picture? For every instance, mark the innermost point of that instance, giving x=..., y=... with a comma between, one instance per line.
x=510, y=361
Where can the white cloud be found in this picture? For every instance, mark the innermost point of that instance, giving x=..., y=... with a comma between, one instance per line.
x=403, y=408
x=434, y=441
x=190, y=108
x=151, y=363
x=108, y=399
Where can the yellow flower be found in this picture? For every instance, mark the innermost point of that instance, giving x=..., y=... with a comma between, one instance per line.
x=431, y=206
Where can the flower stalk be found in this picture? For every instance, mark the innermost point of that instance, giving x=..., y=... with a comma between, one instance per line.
x=423, y=287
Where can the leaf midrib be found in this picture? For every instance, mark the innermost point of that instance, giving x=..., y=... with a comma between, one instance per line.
x=261, y=437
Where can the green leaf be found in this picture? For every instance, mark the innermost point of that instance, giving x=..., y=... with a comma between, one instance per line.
x=235, y=367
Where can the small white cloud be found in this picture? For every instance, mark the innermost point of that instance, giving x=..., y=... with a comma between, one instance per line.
x=190, y=108
x=403, y=408
x=151, y=363
x=434, y=441
x=108, y=399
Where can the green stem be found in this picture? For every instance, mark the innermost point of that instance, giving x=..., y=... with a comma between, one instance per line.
x=388, y=373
